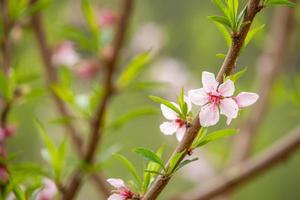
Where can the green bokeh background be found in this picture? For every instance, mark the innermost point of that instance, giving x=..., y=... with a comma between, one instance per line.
x=193, y=40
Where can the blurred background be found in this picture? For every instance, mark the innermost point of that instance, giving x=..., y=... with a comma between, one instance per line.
x=183, y=43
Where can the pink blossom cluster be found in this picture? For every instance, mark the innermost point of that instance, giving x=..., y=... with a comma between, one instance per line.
x=48, y=192
x=122, y=192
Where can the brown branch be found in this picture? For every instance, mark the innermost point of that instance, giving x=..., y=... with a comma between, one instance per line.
x=50, y=73
x=268, y=67
x=227, y=67
x=248, y=169
x=97, y=123
x=5, y=40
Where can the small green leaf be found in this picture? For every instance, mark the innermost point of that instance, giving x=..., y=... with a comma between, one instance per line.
x=225, y=33
x=185, y=162
x=251, y=34
x=280, y=2
x=200, y=137
x=222, y=7
x=131, y=168
x=133, y=69
x=217, y=135
x=221, y=20
x=154, y=172
x=174, y=162
x=220, y=55
x=150, y=155
x=166, y=103
x=237, y=75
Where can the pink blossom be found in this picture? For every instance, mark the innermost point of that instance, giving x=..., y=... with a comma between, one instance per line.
x=216, y=99
x=122, y=192
x=7, y=132
x=48, y=192
x=176, y=124
x=65, y=55
x=3, y=174
x=107, y=18
x=87, y=69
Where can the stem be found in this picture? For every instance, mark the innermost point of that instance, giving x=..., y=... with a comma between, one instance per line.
x=248, y=169
x=5, y=43
x=50, y=72
x=97, y=122
x=226, y=68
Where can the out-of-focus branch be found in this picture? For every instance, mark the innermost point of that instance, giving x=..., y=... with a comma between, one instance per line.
x=226, y=68
x=5, y=36
x=247, y=170
x=268, y=68
x=97, y=122
x=50, y=73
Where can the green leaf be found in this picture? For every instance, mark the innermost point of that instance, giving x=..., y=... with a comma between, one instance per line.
x=174, y=162
x=132, y=115
x=150, y=155
x=251, y=34
x=221, y=20
x=154, y=172
x=131, y=168
x=200, y=137
x=64, y=93
x=220, y=55
x=217, y=135
x=222, y=7
x=225, y=33
x=237, y=75
x=182, y=104
x=133, y=69
x=166, y=103
x=280, y=2
x=185, y=162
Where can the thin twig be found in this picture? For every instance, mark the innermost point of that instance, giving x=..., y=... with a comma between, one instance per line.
x=268, y=68
x=97, y=122
x=5, y=38
x=50, y=73
x=247, y=170
x=227, y=67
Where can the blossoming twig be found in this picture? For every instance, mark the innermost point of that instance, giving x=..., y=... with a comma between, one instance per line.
x=227, y=66
x=247, y=170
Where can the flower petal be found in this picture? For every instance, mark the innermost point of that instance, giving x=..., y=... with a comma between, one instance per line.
x=198, y=96
x=168, y=128
x=209, y=115
x=226, y=89
x=229, y=108
x=209, y=82
x=188, y=102
x=116, y=197
x=228, y=121
x=245, y=99
x=180, y=133
x=168, y=113
x=116, y=182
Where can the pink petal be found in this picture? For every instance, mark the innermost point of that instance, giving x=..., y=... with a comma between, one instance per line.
x=116, y=197
x=49, y=190
x=168, y=113
x=229, y=108
x=226, y=89
x=117, y=183
x=245, y=99
x=228, y=121
x=168, y=128
x=180, y=133
x=209, y=82
x=209, y=115
x=188, y=102
x=198, y=97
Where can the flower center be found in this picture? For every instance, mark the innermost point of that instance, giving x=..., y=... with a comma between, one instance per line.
x=127, y=194
x=215, y=99
x=180, y=122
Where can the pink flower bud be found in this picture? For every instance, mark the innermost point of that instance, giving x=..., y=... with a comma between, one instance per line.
x=4, y=176
x=107, y=18
x=48, y=192
x=87, y=69
x=65, y=55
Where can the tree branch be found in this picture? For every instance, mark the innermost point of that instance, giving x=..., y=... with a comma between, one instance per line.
x=226, y=68
x=268, y=67
x=97, y=123
x=247, y=170
x=5, y=38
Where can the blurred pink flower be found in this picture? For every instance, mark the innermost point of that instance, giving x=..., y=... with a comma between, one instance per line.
x=48, y=192
x=107, y=18
x=176, y=124
x=216, y=99
x=87, y=69
x=121, y=192
x=7, y=132
x=65, y=55
x=3, y=174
